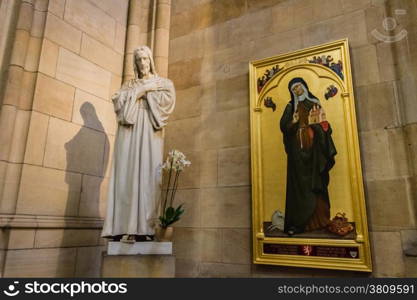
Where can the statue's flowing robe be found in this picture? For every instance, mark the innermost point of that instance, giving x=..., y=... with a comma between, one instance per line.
x=135, y=180
x=310, y=156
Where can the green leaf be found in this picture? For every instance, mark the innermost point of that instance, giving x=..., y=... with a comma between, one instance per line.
x=175, y=219
x=169, y=212
x=179, y=207
x=171, y=215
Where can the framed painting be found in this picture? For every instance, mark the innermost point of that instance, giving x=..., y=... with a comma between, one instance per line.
x=308, y=204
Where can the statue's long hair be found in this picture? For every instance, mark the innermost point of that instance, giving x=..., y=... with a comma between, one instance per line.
x=148, y=53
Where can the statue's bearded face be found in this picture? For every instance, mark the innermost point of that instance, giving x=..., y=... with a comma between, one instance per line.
x=143, y=62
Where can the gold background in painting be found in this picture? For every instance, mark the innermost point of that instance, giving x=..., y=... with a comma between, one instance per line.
x=274, y=158
x=269, y=160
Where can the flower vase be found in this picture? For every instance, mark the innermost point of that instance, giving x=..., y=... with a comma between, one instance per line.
x=164, y=234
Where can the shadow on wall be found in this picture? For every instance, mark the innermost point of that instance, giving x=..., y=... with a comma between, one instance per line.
x=83, y=158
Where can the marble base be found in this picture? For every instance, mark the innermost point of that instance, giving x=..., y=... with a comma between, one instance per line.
x=138, y=266
x=139, y=248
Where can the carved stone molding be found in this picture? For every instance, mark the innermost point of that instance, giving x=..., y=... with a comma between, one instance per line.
x=33, y=221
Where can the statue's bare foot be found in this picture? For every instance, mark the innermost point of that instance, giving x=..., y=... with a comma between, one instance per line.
x=128, y=238
x=150, y=237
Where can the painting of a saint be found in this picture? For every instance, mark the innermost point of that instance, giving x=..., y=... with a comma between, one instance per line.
x=310, y=149
x=308, y=201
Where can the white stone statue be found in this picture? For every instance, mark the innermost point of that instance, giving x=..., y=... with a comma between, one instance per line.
x=142, y=108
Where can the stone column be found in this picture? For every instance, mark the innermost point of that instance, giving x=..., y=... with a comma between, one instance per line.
x=138, y=27
x=161, y=46
x=8, y=18
x=20, y=77
x=148, y=24
x=22, y=24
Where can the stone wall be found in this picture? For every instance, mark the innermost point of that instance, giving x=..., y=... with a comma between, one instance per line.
x=57, y=129
x=62, y=59
x=211, y=43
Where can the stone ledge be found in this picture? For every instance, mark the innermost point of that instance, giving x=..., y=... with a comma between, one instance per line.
x=139, y=248
x=36, y=221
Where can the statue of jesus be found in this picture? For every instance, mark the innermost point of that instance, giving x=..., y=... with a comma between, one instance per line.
x=142, y=107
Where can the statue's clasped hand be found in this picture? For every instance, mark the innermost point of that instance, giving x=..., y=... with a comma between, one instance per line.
x=115, y=96
x=148, y=87
x=153, y=86
x=140, y=89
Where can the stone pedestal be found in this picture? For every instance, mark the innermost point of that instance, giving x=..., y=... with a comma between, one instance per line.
x=139, y=260
x=138, y=266
x=119, y=248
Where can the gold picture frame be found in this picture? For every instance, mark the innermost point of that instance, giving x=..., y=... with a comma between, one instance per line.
x=289, y=230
